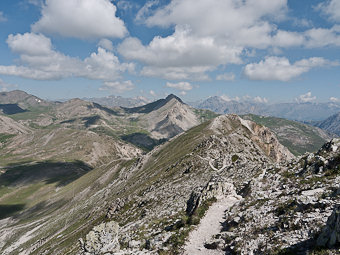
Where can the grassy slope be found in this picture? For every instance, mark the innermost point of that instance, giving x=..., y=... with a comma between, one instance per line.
x=72, y=202
x=289, y=132
x=42, y=172
x=70, y=214
x=47, y=191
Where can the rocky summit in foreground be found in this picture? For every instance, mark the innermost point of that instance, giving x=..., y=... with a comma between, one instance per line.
x=222, y=186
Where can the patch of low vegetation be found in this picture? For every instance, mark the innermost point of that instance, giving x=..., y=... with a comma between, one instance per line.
x=143, y=141
x=199, y=212
x=9, y=210
x=293, y=131
x=4, y=138
x=286, y=208
x=234, y=158
x=205, y=115
x=31, y=113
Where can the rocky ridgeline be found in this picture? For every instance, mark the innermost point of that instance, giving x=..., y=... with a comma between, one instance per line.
x=152, y=203
x=285, y=209
x=228, y=155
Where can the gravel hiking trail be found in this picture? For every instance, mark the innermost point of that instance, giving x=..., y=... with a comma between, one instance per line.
x=210, y=225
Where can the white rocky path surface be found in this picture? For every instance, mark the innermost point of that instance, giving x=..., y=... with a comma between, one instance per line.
x=210, y=225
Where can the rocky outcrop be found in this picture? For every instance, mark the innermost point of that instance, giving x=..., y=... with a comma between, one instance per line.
x=261, y=135
x=10, y=126
x=102, y=239
x=298, y=137
x=330, y=235
x=214, y=189
x=288, y=205
x=115, y=207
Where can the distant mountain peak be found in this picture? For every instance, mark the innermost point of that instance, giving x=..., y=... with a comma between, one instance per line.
x=15, y=93
x=154, y=105
x=22, y=99
x=331, y=124
x=172, y=96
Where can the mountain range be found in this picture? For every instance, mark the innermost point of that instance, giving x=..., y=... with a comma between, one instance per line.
x=331, y=124
x=114, y=101
x=77, y=177
x=294, y=111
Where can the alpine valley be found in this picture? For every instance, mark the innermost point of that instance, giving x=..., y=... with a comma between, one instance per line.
x=130, y=176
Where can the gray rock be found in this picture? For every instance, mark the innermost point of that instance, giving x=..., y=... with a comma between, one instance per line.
x=115, y=207
x=330, y=235
x=102, y=239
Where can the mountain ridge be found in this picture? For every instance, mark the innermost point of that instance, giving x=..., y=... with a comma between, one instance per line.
x=22, y=99
x=292, y=111
x=85, y=182
x=331, y=124
x=299, y=138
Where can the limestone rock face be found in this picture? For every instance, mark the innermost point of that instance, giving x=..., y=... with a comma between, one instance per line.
x=330, y=235
x=171, y=119
x=261, y=135
x=8, y=125
x=102, y=239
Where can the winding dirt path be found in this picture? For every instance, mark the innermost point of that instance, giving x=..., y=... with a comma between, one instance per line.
x=210, y=224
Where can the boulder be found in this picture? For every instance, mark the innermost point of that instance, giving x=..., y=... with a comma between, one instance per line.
x=102, y=239
x=330, y=235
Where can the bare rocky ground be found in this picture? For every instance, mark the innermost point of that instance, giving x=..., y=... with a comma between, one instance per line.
x=284, y=206
x=209, y=226
x=80, y=190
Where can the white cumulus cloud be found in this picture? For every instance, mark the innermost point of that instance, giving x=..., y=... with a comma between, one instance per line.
x=280, y=68
x=184, y=86
x=331, y=9
x=145, y=10
x=261, y=100
x=80, y=19
x=180, y=56
x=210, y=34
x=153, y=93
x=106, y=44
x=334, y=99
x=322, y=37
x=225, y=77
x=40, y=61
x=306, y=98
x=118, y=86
x=229, y=99
x=30, y=44
x=216, y=17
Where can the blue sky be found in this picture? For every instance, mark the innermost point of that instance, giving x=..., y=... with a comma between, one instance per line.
x=260, y=50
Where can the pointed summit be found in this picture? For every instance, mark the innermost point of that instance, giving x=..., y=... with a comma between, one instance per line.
x=172, y=96
x=154, y=105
